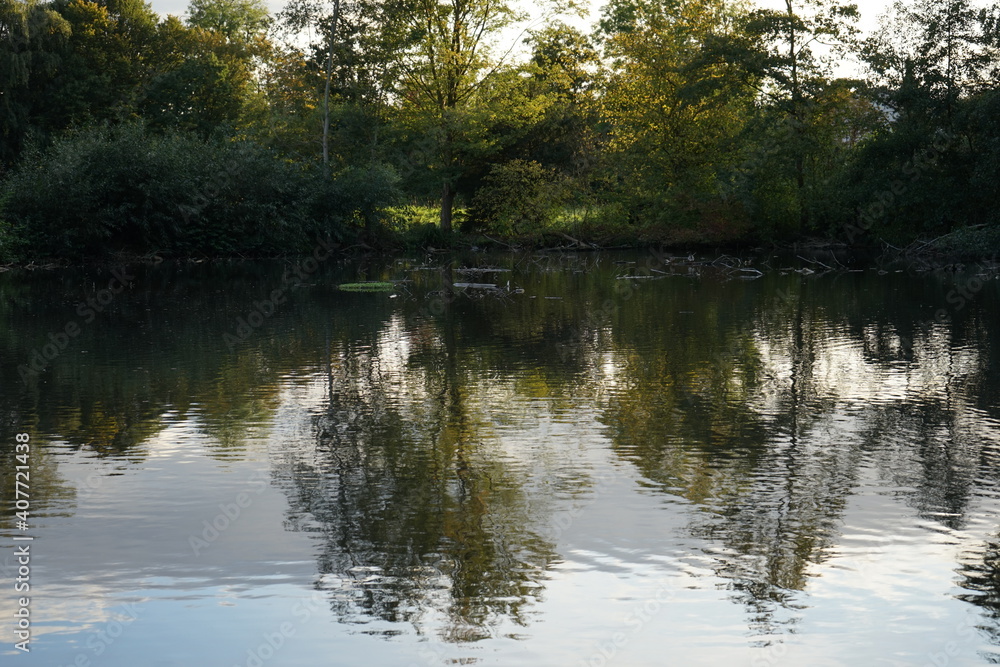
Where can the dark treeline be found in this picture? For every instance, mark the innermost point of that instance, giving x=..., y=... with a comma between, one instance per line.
x=676, y=121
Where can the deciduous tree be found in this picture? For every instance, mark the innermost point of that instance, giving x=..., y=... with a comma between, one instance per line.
x=447, y=66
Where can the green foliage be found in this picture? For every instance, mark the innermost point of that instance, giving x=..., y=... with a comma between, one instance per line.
x=75, y=63
x=554, y=93
x=369, y=191
x=562, y=59
x=199, y=96
x=698, y=120
x=110, y=190
x=981, y=119
x=929, y=54
x=973, y=242
x=798, y=78
x=673, y=113
x=445, y=84
x=936, y=167
x=238, y=20
x=8, y=242
x=99, y=78
x=30, y=36
x=421, y=236
x=517, y=196
x=925, y=179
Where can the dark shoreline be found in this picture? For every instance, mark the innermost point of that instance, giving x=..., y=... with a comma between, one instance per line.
x=825, y=253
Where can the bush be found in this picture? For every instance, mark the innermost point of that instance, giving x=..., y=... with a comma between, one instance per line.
x=426, y=235
x=516, y=197
x=104, y=191
x=8, y=243
x=367, y=191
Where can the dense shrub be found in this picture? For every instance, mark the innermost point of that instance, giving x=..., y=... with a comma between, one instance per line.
x=927, y=175
x=367, y=190
x=110, y=190
x=983, y=118
x=516, y=196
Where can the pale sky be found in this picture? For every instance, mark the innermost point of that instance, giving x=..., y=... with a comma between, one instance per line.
x=870, y=9
x=870, y=12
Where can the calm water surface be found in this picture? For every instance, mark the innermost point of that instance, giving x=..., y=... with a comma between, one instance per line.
x=689, y=467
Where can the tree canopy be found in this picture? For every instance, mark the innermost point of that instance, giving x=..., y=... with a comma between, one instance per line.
x=680, y=121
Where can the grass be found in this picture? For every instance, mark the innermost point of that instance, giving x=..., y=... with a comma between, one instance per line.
x=611, y=225
x=605, y=225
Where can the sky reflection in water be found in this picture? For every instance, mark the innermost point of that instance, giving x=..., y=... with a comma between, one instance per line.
x=696, y=469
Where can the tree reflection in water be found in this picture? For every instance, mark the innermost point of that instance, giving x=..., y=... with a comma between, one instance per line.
x=768, y=412
x=765, y=405
x=417, y=517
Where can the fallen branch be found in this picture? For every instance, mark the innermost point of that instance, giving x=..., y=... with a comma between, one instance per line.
x=814, y=261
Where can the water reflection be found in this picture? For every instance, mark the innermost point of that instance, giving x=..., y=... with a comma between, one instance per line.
x=406, y=432
x=409, y=494
x=768, y=414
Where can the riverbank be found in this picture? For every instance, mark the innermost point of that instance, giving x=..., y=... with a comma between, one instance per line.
x=412, y=229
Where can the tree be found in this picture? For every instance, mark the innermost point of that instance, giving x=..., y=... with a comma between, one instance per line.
x=206, y=73
x=30, y=37
x=70, y=63
x=929, y=54
x=791, y=42
x=301, y=14
x=934, y=67
x=672, y=112
x=289, y=84
x=358, y=58
x=106, y=63
x=238, y=20
x=560, y=74
x=202, y=95
x=446, y=67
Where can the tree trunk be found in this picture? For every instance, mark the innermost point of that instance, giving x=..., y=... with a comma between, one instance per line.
x=326, y=90
x=800, y=172
x=800, y=181
x=447, y=203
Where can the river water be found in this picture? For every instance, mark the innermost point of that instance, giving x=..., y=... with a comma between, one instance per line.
x=611, y=459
